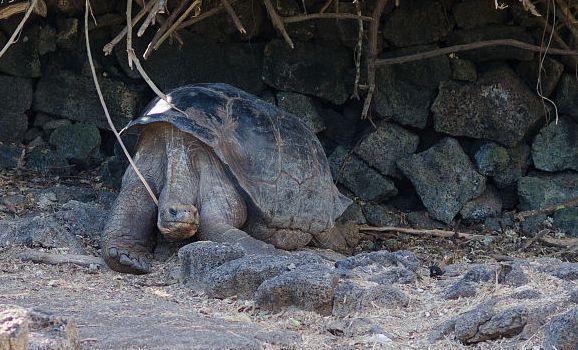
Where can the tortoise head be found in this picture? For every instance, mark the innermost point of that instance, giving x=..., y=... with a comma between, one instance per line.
x=178, y=217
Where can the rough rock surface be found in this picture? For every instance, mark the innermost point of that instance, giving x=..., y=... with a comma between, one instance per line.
x=306, y=69
x=400, y=28
x=488, y=204
x=406, y=91
x=472, y=14
x=22, y=60
x=73, y=96
x=303, y=107
x=498, y=107
x=78, y=142
x=24, y=329
x=562, y=332
x=10, y=155
x=504, y=165
x=358, y=177
x=444, y=178
x=541, y=190
x=199, y=258
x=567, y=96
x=550, y=75
x=15, y=98
x=556, y=146
x=384, y=146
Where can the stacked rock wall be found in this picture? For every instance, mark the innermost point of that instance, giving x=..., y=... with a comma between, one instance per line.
x=458, y=136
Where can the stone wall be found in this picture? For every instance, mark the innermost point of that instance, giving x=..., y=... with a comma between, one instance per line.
x=463, y=136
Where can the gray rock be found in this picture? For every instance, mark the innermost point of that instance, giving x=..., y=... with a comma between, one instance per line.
x=77, y=142
x=468, y=323
x=494, y=53
x=199, y=258
x=382, y=258
x=567, y=96
x=512, y=275
x=380, y=215
x=353, y=214
x=10, y=155
x=541, y=190
x=406, y=91
x=46, y=161
x=54, y=124
x=556, y=146
x=539, y=316
x=243, y=276
x=504, y=165
x=422, y=219
x=567, y=271
x=444, y=178
x=200, y=61
x=350, y=297
x=527, y=294
x=507, y=323
x=74, y=97
x=308, y=288
x=353, y=327
x=22, y=59
x=549, y=75
x=463, y=70
x=461, y=289
x=15, y=99
x=385, y=145
x=342, y=128
x=400, y=28
x=76, y=222
x=46, y=40
x=310, y=69
x=358, y=177
x=112, y=170
x=573, y=297
x=394, y=275
x=479, y=273
x=471, y=14
x=22, y=328
x=487, y=205
x=562, y=332
x=442, y=330
x=285, y=339
x=303, y=107
x=498, y=107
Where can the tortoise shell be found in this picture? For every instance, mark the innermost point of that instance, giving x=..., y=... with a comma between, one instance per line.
x=274, y=157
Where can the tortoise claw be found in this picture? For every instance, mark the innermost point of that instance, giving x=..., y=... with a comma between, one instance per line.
x=122, y=260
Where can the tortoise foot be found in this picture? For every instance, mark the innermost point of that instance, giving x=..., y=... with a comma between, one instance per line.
x=126, y=260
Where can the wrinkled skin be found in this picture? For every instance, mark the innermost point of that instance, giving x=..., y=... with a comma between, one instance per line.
x=196, y=196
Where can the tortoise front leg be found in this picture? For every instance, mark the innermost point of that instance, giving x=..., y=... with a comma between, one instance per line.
x=129, y=239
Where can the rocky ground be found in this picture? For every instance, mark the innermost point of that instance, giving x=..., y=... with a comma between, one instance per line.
x=211, y=296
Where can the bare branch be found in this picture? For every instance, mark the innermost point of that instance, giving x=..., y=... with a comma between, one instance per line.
x=278, y=22
x=234, y=17
x=12, y=39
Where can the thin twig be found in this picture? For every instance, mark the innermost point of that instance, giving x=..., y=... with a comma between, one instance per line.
x=12, y=39
x=424, y=232
x=110, y=46
x=301, y=18
x=547, y=210
x=372, y=57
x=129, y=31
x=278, y=22
x=233, y=15
x=203, y=16
x=358, y=50
x=176, y=25
x=471, y=46
x=105, y=108
x=149, y=20
x=164, y=27
x=11, y=10
x=326, y=6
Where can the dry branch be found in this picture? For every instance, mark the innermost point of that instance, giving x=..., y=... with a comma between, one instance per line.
x=176, y=25
x=471, y=46
x=278, y=22
x=233, y=15
x=61, y=259
x=12, y=39
x=203, y=16
x=423, y=232
x=164, y=27
x=103, y=103
x=301, y=18
x=547, y=210
x=373, y=36
x=110, y=46
x=11, y=10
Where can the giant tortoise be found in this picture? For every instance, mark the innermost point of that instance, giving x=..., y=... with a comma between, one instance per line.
x=228, y=165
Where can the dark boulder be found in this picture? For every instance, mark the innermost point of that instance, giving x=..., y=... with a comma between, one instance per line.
x=444, y=178
x=504, y=165
x=549, y=74
x=472, y=14
x=22, y=58
x=556, y=146
x=303, y=107
x=567, y=96
x=487, y=205
x=562, y=332
x=78, y=142
x=15, y=98
x=498, y=107
x=10, y=155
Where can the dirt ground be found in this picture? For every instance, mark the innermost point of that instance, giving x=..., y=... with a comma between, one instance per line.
x=116, y=311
